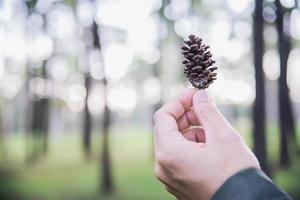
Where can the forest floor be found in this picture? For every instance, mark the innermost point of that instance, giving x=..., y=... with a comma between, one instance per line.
x=65, y=174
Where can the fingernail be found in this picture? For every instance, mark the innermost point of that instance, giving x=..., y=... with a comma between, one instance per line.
x=202, y=96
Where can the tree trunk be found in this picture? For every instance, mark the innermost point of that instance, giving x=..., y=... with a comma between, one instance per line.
x=259, y=102
x=87, y=126
x=39, y=123
x=286, y=118
x=2, y=149
x=107, y=182
x=45, y=107
x=28, y=119
x=38, y=108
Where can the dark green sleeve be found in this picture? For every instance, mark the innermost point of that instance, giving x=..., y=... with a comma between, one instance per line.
x=249, y=184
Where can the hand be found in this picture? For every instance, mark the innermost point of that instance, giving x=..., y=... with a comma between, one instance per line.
x=194, y=162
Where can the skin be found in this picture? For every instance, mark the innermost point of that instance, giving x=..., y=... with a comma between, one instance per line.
x=196, y=149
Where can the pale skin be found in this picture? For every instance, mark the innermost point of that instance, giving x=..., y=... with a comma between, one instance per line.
x=194, y=162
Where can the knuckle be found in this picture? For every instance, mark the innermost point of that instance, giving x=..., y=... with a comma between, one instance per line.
x=167, y=161
x=156, y=115
x=160, y=158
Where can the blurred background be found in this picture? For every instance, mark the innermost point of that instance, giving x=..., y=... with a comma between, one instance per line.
x=80, y=80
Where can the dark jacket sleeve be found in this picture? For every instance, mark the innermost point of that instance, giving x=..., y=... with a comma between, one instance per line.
x=250, y=184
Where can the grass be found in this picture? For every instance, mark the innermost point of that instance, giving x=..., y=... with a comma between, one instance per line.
x=65, y=174
x=289, y=180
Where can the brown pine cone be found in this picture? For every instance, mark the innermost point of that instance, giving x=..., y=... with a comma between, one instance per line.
x=199, y=68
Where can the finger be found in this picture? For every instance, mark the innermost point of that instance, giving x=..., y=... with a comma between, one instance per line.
x=195, y=135
x=179, y=105
x=165, y=119
x=212, y=120
x=192, y=118
x=187, y=120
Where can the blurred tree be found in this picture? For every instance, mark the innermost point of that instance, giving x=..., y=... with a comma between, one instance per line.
x=40, y=118
x=87, y=117
x=87, y=123
x=106, y=180
x=30, y=4
x=162, y=42
x=38, y=105
x=157, y=66
x=286, y=118
x=2, y=150
x=259, y=102
x=107, y=183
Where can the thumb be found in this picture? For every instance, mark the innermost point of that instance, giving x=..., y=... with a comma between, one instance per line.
x=213, y=122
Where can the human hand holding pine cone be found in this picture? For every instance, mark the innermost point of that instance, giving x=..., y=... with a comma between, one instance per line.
x=194, y=163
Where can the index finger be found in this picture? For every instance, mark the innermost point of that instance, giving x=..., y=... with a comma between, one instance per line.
x=165, y=119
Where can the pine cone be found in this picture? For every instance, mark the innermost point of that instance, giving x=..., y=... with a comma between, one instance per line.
x=199, y=65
